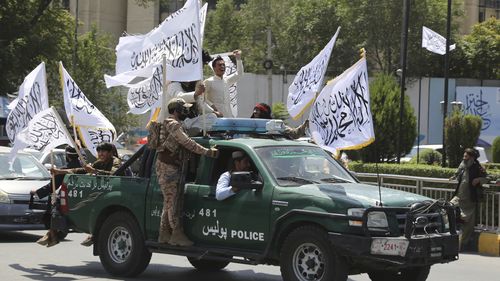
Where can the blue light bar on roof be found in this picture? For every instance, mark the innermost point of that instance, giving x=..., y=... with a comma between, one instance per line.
x=248, y=125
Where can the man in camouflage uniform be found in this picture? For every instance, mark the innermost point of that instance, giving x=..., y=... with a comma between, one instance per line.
x=173, y=146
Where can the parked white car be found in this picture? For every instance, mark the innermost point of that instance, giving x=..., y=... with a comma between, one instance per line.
x=15, y=186
x=439, y=148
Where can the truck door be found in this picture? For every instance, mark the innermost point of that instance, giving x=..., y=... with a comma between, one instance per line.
x=240, y=221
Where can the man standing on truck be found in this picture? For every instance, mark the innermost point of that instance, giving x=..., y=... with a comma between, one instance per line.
x=173, y=148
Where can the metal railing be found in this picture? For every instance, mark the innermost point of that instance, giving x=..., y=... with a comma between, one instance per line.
x=439, y=188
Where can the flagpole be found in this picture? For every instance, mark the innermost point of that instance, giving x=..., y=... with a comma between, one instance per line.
x=446, y=75
x=69, y=136
x=202, y=98
x=53, y=197
x=404, y=47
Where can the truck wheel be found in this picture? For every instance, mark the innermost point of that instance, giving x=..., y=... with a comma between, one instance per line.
x=418, y=273
x=307, y=255
x=207, y=265
x=121, y=246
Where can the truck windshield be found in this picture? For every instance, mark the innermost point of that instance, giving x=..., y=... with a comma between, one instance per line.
x=298, y=165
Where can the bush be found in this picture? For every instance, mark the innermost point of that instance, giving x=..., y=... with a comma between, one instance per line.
x=418, y=170
x=384, y=102
x=495, y=150
x=462, y=131
x=429, y=157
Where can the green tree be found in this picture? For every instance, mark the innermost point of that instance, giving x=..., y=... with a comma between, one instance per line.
x=94, y=59
x=384, y=100
x=223, y=28
x=377, y=26
x=495, y=150
x=32, y=31
x=478, y=53
x=461, y=131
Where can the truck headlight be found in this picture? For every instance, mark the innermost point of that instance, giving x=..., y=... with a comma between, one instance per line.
x=377, y=220
x=4, y=197
x=356, y=212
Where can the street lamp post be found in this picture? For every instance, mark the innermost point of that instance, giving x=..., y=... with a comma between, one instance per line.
x=446, y=75
x=404, y=48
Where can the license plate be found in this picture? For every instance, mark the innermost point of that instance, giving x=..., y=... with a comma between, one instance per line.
x=389, y=246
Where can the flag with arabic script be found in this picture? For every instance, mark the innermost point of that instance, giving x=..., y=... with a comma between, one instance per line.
x=32, y=99
x=308, y=81
x=341, y=118
x=178, y=37
x=434, y=42
x=43, y=133
x=92, y=126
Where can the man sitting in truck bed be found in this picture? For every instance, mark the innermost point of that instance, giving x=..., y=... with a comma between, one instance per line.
x=106, y=164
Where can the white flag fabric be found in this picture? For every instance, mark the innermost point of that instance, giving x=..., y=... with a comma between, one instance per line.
x=309, y=81
x=43, y=133
x=32, y=98
x=434, y=42
x=203, y=17
x=341, y=118
x=178, y=37
x=87, y=118
x=231, y=69
x=147, y=94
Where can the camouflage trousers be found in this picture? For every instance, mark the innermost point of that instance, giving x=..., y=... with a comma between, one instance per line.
x=168, y=178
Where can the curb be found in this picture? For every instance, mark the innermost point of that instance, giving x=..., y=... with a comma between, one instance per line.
x=489, y=244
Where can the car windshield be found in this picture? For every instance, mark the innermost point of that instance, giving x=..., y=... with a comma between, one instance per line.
x=24, y=167
x=298, y=165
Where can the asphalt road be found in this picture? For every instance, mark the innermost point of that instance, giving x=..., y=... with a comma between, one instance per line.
x=22, y=259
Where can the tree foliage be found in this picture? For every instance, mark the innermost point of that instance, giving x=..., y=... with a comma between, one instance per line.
x=477, y=54
x=384, y=100
x=41, y=30
x=300, y=29
x=32, y=31
x=461, y=132
x=495, y=150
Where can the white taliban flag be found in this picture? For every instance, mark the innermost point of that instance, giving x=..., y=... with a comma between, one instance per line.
x=178, y=37
x=308, y=81
x=92, y=126
x=434, y=42
x=231, y=69
x=43, y=133
x=32, y=99
x=341, y=118
x=146, y=95
x=203, y=17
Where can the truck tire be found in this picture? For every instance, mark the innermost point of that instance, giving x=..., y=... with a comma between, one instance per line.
x=307, y=255
x=417, y=273
x=207, y=265
x=121, y=246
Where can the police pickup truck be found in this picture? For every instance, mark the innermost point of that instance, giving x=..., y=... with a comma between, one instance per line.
x=300, y=210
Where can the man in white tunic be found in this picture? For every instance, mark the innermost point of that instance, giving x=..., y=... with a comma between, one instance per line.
x=217, y=86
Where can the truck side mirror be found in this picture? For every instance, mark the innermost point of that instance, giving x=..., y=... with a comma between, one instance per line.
x=243, y=180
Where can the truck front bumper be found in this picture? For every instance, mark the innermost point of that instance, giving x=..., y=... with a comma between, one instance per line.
x=421, y=250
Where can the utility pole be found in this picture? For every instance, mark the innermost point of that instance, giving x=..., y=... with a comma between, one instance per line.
x=404, y=47
x=269, y=57
x=446, y=75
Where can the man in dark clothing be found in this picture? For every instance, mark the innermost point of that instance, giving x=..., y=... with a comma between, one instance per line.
x=106, y=164
x=263, y=111
x=72, y=162
x=470, y=176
